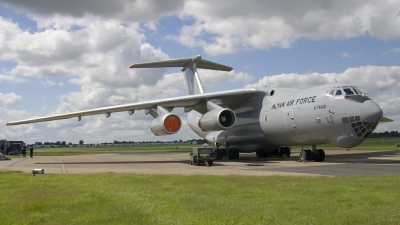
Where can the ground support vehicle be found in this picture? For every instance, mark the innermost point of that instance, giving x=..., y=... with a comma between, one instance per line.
x=200, y=156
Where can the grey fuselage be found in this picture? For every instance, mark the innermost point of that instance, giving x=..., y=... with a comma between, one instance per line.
x=335, y=113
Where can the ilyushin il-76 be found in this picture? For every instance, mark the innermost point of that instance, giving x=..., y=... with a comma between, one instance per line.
x=263, y=120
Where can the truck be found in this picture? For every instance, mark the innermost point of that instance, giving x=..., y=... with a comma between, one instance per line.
x=202, y=155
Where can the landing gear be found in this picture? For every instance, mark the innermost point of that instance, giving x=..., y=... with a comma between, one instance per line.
x=231, y=153
x=218, y=154
x=316, y=155
x=277, y=153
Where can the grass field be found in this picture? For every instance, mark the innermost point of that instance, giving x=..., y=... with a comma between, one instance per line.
x=197, y=199
x=111, y=149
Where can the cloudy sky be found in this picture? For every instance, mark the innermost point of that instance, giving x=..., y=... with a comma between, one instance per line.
x=63, y=56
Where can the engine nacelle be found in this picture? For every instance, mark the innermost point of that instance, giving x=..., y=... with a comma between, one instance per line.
x=219, y=119
x=166, y=124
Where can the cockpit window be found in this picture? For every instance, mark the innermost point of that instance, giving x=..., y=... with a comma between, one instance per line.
x=344, y=90
x=356, y=90
x=348, y=91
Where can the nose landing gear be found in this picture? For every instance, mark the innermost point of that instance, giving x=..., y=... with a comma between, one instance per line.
x=318, y=155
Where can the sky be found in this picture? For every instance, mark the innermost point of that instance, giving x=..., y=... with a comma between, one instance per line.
x=63, y=56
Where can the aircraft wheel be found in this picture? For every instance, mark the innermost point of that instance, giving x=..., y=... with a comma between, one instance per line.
x=258, y=154
x=304, y=155
x=210, y=163
x=280, y=151
x=224, y=152
x=321, y=156
x=236, y=153
x=217, y=154
x=231, y=153
x=287, y=151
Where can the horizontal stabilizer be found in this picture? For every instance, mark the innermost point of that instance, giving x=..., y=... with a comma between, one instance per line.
x=385, y=119
x=184, y=63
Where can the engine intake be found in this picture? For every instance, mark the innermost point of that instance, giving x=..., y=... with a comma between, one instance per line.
x=166, y=124
x=220, y=119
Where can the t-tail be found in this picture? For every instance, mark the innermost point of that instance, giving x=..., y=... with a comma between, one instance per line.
x=189, y=69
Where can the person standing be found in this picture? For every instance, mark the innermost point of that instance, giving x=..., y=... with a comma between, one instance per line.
x=23, y=151
x=31, y=151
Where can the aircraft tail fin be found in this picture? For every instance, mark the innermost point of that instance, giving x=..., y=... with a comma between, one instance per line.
x=189, y=69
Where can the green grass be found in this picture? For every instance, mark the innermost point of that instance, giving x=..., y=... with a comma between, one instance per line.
x=110, y=149
x=197, y=199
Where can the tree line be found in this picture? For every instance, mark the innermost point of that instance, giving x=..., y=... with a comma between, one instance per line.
x=81, y=142
x=386, y=134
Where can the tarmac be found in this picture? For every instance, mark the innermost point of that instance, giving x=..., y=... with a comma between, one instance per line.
x=337, y=162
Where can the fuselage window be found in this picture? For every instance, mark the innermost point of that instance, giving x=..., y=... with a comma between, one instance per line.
x=338, y=92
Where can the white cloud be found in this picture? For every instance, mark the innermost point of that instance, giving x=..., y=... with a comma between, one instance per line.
x=262, y=25
x=9, y=99
x=395, y=51
x=122, y=10
x=345, y=55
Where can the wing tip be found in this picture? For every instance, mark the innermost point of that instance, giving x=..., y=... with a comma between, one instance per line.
x=133, y=65
x=8, y=124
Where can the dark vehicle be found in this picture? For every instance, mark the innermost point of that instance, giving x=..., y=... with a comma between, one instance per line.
x=15, y=147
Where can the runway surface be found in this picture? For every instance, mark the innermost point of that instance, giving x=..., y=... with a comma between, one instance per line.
x=337, y=162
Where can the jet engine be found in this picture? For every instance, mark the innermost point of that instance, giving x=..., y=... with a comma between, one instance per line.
x=219, y=119
x=166, y=124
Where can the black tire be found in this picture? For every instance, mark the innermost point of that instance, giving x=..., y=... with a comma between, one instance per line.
x=217, y=154
x=287, y=151
x=198, y=163
x=210, y=163
x=236, y=151
x=321, y=156
x=231, y=153
x=304, y=155
x=280, y=151
x=191, y=162
x=224, y=152
x=311, y=155
x=258, y=154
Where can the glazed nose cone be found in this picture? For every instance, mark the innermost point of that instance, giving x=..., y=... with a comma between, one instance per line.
x=371, y=111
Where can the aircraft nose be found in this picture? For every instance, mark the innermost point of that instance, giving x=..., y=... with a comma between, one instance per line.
x=371, y=111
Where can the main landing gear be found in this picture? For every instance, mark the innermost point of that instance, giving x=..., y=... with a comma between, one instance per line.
x=278, y=152
x=318, y=155
x=232, y=153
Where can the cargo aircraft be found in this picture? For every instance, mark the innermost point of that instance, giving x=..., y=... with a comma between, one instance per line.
x=263, y=120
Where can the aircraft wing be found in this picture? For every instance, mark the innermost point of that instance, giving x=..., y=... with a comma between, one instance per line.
x=223, y=97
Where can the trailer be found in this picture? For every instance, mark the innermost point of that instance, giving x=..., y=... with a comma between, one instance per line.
x=202, y=155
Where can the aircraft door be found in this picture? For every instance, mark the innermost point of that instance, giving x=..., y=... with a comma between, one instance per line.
x=290, y=122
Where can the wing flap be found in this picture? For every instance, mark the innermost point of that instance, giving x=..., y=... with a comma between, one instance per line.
x=185, y=101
